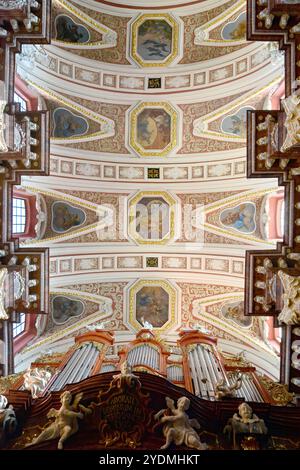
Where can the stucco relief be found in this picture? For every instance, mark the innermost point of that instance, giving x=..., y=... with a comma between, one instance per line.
x=191, y=309
x=114, y=126
x=105, y=31
x=67, y=310
x=241, y=217
x=194, y=25
x=64, y=217
x=192, y=143
x=111, y=290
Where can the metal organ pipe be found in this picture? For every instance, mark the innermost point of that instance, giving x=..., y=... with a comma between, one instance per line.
x=138, y=355
x=85, y=350
x=194, y=375
x=144, y=355
x=256, y=395
x=247, y=389
x=86, y=368
x=204, y=370
x=209, y=384
x=107, y=368
x=212, y=366
x=56, y=385
x=174, y=373
x=201, y=375
x=147, y=356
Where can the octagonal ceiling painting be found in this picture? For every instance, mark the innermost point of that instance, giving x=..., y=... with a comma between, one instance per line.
x=152, y=304
x=154, y=40
x=153, y=129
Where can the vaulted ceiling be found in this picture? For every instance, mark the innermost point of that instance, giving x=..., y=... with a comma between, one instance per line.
x=147, y=210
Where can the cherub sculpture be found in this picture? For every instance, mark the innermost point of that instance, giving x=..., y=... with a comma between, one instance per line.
x=178, y=428
x=224, y=390
x=36, y=380
x=126, y=377
x=66, y=420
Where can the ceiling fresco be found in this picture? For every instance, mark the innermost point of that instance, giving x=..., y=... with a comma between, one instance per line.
x=147, y=211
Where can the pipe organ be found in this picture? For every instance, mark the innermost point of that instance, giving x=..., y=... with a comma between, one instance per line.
x=175, y=373
x=79, y=366
x=248, y=390
x=84, y=359
x=202, y=364
x=197, y=366
x=146, y=353
x=106, y=367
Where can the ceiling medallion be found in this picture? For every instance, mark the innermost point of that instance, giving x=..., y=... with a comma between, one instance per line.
x=152, y=218
x=152, y=302
x=153, y=129
x=154, y=40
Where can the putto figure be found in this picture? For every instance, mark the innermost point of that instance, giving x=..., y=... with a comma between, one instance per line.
x=224, y=390
x=178, y=428
x=66, y=420
x=35, y=380
x=126, y=377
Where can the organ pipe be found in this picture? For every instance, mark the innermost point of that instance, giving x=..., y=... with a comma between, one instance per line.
x=85, y=371
x=144, y=355
x=195, y=376
x=78, y=367
x=85, y=350
x=56, y=385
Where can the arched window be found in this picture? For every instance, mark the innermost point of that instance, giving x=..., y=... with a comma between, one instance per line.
x=276, y=210
x=19, y=327
x=25, y=97
x=19, y=215
x=24, y=214
x=22, y=102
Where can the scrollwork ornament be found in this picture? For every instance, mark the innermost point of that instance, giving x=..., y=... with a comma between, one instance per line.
x=14, y=4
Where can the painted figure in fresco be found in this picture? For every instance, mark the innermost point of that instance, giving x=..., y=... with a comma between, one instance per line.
x=66, y=420
x=178, y=428
x=236, y=313
x=67, y=124
x=235, y=30
x=154, y=40
x=236, y=124
x=152, y=218
x=68, y=31
x=152, y=306
x=240, y=218
x=65, y=308
x=239, y=32
x=63, y=218
x=153, y=128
